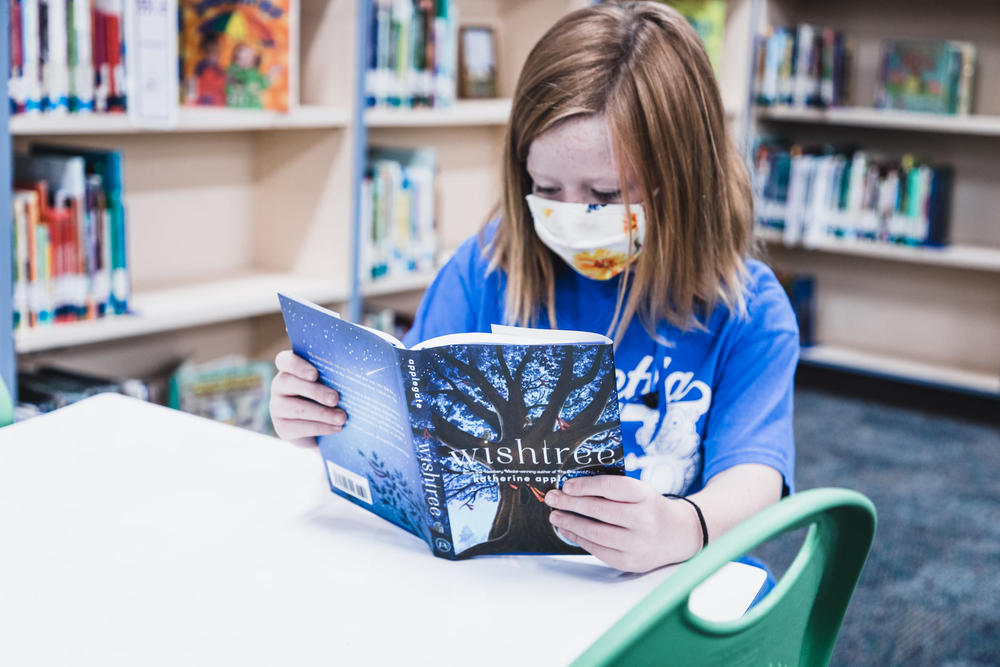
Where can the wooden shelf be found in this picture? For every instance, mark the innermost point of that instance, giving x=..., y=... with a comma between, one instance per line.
x=156, y=311
x=978, y=125
x=398, y=284
x=461, y=113
x=973, y=258
x=190, y=120
x=885, y=366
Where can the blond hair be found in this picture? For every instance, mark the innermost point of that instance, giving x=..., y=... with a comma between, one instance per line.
x=642, y=66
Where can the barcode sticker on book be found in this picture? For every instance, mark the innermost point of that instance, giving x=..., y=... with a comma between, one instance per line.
x=349, y=482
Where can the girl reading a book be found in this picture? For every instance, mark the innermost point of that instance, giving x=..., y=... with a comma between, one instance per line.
x=626, y=210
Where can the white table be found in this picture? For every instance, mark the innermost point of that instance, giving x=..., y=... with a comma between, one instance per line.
x=131, y=534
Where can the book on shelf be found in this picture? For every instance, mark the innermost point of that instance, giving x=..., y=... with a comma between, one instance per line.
x=801, y=291
x=67, y=56
x=398, y=213
x=412, y=58
x=805, y=66
x=458, y=439
x=708, y=17
x=49, y=388
x=239, y=54
x=231, y=390
x=926, y=76
x=69, y=248
x=813, y=194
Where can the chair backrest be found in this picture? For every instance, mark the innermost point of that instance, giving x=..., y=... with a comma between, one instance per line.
x=6, y=405
x=795, y=624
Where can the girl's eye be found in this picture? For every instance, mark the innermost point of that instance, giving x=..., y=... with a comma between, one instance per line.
x=606, y=197
x=545, y=191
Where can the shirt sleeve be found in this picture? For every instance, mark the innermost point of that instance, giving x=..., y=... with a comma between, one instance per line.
x=751, y=416
x=448, y=305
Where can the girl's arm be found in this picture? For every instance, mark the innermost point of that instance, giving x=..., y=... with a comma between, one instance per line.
x=629, y=526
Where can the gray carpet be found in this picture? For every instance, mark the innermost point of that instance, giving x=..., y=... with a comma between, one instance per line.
x=930, y=591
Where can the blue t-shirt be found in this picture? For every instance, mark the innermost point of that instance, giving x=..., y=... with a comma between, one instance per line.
x=713, y=399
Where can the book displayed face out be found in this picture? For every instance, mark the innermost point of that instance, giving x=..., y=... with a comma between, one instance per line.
x=458, y=439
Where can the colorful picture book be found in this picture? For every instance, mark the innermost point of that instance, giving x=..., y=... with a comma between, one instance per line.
x=412, y=53
x=231, y=390
x=67, y=56
x=69, y=246
x=812, y=194
x=457, y=440
x=239, y=53
x=927, y=76
x=398, y=213
x=805, y=66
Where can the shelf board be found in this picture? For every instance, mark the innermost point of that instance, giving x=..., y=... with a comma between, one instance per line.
x=970, y=257
x=160, y=310
x=398, y=284
x=980, y=125
x=461, y=113
x=885, y=366
x=191, y=119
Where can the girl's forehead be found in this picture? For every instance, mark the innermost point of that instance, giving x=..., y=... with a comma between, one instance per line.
x=578, y=147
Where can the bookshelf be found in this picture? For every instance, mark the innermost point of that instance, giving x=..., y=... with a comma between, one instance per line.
x=925, y=315
x=222, y=210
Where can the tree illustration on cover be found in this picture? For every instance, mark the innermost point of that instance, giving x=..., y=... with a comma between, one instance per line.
x=512, y=423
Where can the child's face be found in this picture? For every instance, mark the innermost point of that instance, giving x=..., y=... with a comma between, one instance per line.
x=574, y=162
x=245, y=57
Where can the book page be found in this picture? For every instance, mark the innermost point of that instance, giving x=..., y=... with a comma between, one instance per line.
x=506, y=335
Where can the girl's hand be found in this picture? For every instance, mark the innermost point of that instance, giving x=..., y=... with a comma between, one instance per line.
x=301, y=407
x=624, y=522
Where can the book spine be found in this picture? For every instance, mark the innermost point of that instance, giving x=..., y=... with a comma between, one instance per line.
x=120, y=283
x=82, y=82
x=425, y=446
x=55, y=72
x=939, y=206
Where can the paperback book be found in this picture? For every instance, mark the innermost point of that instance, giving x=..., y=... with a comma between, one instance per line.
x=458, y=439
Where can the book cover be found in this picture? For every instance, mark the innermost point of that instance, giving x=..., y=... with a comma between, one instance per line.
x=231, y=390
x=926, y=76
x=458, y=439
x=238, y=53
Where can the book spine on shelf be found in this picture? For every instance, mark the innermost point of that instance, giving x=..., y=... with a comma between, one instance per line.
x=55, y=70
x=847, y=195
x=445, y=53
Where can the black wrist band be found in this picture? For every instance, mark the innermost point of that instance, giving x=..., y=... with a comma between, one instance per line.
x=701, y=517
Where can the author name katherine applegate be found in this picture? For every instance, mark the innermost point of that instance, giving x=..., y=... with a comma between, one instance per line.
x=497, y=478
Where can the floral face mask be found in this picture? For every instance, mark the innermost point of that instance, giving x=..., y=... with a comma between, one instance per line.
x=591, y=238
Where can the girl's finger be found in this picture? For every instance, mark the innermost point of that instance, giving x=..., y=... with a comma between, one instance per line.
x=291, y=385
x=612, y=557
x=301, y=409
x=613, y=487
x=612, y=537
x=602, y=509
x=289, y=362
x=294, y=429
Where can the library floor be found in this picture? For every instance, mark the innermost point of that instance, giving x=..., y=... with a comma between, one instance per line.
x=930, y=589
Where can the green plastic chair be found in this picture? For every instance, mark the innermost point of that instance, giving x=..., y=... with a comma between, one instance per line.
x=795, y=624
x=6, y=405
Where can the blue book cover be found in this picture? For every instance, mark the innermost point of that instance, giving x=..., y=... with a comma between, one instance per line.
x=458, y=439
